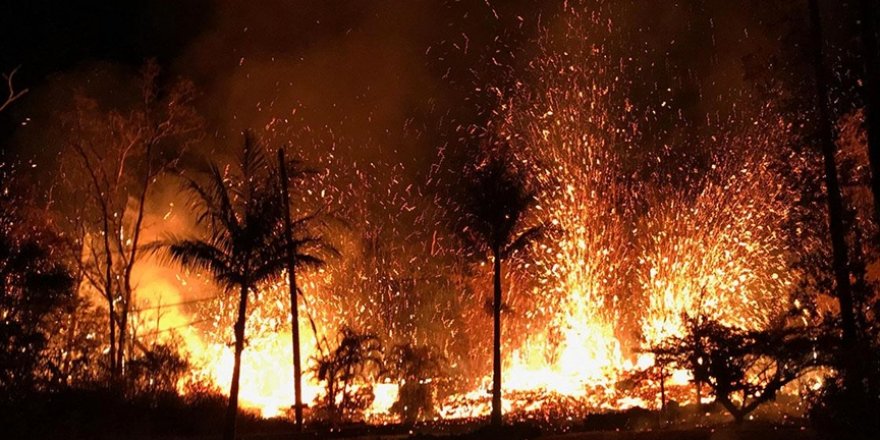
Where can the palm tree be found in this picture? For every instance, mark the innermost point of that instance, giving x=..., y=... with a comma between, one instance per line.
x=496, y=200
x=242, y=246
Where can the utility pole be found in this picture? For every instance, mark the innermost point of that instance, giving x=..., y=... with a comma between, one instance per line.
x=291, y=278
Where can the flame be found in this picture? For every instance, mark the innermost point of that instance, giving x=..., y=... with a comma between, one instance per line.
x=627, y=257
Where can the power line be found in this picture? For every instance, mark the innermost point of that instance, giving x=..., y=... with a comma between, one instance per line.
x=188, y=324
x=181, y=303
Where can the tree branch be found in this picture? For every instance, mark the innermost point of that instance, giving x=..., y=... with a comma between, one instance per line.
x=11, y=94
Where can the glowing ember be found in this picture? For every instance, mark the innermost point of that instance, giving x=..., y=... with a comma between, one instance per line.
x=629, y=253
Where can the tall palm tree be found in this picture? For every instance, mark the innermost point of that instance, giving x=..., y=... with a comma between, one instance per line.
x=496, y=200
x=242, y=245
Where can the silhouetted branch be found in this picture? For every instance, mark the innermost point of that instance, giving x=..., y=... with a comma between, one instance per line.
x=11, y=94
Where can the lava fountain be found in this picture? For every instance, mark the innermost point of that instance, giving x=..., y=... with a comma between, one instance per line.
x=636, y=242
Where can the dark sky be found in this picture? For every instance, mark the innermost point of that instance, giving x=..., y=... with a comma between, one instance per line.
x=397, y=78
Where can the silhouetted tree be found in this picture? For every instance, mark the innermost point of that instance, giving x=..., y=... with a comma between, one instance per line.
x=495, y=203
x=123, y=152
x=74, y=355
x=242, y=245
x=155, y=373
x=867, y=9
x=357, y=358
x=414, y=368
x=743, y=368
x=34, y=283
x=837, y=228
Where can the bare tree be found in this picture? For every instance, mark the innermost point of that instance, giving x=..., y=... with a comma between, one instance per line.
x=122, y=153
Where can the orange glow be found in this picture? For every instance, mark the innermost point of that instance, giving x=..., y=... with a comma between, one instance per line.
x=626, y=258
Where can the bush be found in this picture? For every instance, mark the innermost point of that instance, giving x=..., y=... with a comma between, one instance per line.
x=836, y=412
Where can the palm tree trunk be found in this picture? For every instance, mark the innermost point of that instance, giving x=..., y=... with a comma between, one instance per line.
x=835, y=202
x=294, y=306
x=232, y=408
x=496, y=344
x=871, y=96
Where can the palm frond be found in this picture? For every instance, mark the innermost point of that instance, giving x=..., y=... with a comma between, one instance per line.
x=526, y=238
x=496, y=198
x=202, y=255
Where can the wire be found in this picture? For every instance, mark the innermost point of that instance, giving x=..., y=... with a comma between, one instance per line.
x=181, y=303
x=189, y=324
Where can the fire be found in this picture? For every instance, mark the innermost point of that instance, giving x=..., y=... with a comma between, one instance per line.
x=610, y=284
x=631, y=251
x=632, y=254
x=267, y=381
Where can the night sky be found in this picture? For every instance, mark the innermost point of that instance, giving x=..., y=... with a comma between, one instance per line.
x=398, y=79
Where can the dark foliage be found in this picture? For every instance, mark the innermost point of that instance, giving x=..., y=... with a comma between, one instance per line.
x=743, y=368
x=34, y=283
x=837, y=412
x=415, y=368
x=347, y=372
x=100, y=413
x=156, y=372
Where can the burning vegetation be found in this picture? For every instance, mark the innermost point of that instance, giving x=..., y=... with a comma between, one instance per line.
x=547, y=263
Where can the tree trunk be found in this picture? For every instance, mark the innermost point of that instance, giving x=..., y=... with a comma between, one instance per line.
x=71, y=345
x=111, y=310
x=130, y=260
x=871, y=97
x=496, y=344
x=232, y=408
x=331, y=396
x=835, y=202
x=662, y=392
x=729, y=406
x=738, y=417
x=112, y=315
x=294, y=306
